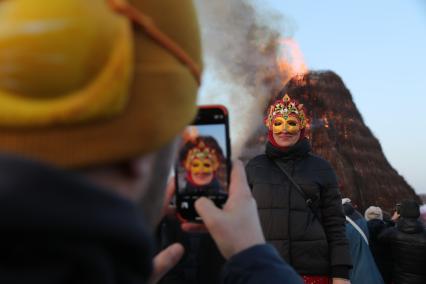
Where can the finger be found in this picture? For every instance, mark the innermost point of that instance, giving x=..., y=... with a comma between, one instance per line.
x=166, y=260
x=239, y=186
x=194, y=228
x=207, y=211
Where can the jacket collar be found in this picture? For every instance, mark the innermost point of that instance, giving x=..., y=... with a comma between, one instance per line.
x=298, y=150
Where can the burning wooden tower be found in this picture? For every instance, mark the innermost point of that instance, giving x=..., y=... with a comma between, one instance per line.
x=339, y=134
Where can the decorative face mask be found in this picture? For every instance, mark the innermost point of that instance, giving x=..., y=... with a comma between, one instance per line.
x=201, y=166
x=202, y=159
x=285, y=115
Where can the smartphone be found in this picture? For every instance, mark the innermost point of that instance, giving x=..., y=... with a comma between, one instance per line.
x=397, y=208
x=203, y=164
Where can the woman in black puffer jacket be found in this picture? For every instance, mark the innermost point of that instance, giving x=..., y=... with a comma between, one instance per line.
x=311, y=238
x=406, y=246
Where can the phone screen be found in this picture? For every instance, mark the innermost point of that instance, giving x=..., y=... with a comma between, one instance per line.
x=203, y=162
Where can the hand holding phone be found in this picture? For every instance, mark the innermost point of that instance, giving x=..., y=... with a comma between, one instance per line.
x=237, y=226
x=203, y=164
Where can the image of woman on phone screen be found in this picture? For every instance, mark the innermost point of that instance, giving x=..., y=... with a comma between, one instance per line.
x=203, y=166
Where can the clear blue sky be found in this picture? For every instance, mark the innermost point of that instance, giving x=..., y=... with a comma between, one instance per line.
x=379, y=49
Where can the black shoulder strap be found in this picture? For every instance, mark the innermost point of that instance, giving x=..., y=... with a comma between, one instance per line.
x=308, y=200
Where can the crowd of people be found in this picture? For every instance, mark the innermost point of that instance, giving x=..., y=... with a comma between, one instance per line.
x=398, y=244
x=94, y=96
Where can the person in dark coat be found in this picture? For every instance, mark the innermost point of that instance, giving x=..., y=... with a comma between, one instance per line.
x=364, y=267
x=406, y=246
x=307, y=226
x=374, y=217
x=88, y=138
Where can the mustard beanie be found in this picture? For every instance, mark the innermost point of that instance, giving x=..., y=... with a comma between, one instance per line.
x=93, y=82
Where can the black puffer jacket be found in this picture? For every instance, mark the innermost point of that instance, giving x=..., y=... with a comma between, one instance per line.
x=407, y=245
x=314, y=244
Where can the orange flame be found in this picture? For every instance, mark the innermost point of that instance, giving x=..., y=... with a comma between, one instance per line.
x=291, y=59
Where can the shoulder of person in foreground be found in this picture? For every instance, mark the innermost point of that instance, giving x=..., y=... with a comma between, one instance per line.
x=75, y=228
x=260, y=263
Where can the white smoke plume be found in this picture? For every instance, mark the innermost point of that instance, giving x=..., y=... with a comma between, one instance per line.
x=240, y=60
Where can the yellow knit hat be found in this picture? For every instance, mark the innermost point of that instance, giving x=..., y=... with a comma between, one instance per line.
x=80, y=86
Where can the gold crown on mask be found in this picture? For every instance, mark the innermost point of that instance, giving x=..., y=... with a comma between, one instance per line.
x=202, y=152
x=285, y=107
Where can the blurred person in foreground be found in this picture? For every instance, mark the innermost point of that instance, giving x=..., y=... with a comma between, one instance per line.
x=374, y=217
x=364, y=268
x=405, y=245
x=92, y=97
x=298, y=198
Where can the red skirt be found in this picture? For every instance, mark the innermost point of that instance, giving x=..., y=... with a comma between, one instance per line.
x=316, y=279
